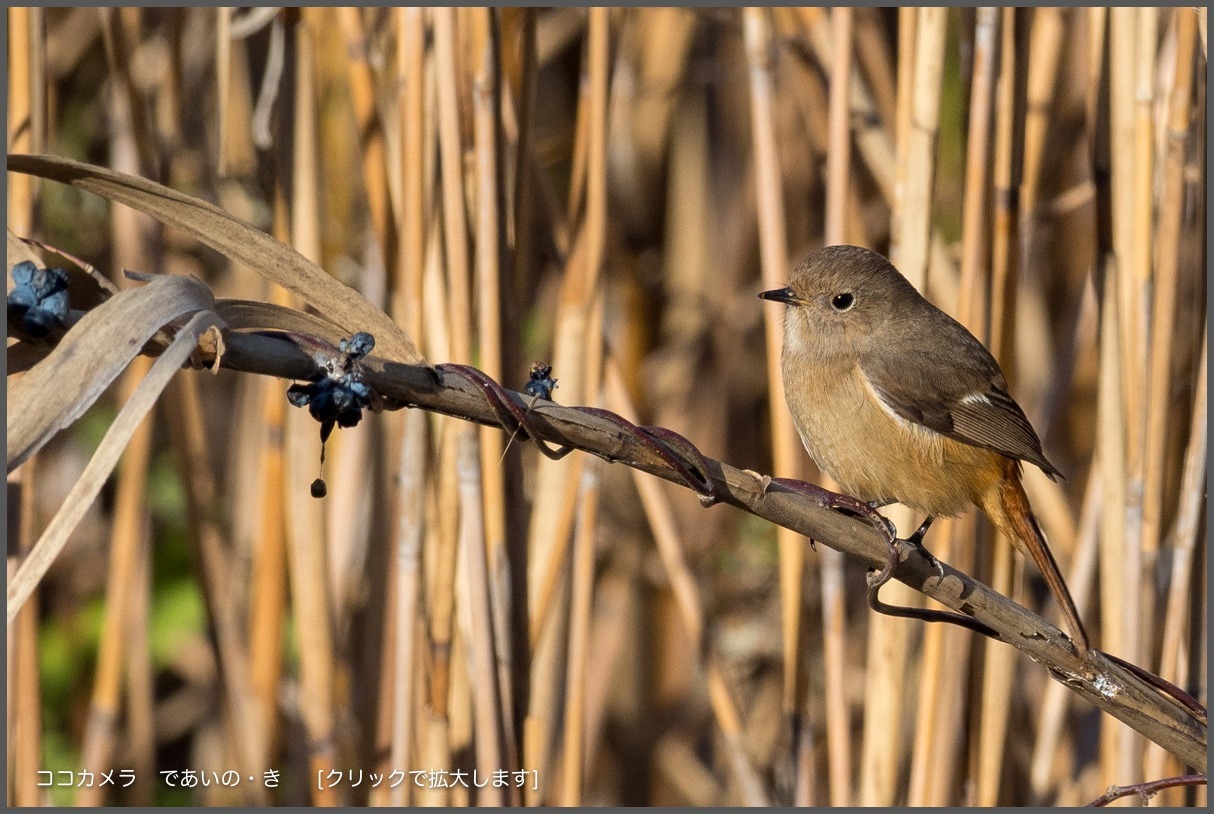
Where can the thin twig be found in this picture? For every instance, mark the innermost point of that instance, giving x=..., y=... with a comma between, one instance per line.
x=1146, y=790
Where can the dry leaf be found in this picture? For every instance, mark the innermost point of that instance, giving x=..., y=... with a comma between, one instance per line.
x=236, y=239
x=251, y=315
x=99, y=467
x=57, y=390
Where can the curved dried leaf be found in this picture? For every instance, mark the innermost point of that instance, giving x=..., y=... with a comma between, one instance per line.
x=252, y=315
x=99, y=467
x=234, y=238
x=57, y=390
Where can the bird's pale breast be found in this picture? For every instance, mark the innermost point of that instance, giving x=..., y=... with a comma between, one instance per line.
x=875, y=454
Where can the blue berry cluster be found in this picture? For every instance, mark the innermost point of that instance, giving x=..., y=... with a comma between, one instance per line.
x=337, y=395
x=359, y=345
x=541, y=383
x=39, y=298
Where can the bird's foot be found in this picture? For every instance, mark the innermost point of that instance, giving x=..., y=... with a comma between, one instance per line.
x=916, y=540
x=893, y=553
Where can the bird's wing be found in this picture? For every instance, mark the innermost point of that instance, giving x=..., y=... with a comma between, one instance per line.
x=964, y=398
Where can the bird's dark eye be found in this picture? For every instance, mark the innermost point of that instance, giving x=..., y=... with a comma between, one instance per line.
x=842, y=302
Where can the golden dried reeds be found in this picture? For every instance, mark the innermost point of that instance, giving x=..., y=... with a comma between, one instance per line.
x=605, y=190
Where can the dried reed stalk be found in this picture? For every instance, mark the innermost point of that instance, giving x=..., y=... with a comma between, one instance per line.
x=577, y=352
x=186, y=427
x=411, y=78
x=1182, y=538
x=873, y=52
x=1170, y=230
x=268, y=579
x=581, y=602
x=838, y=161
x=523, y=167
x=308, y=562
x=126, y=538
x=689, y=602
x=773, y=253
x=400, y=664
x=1140, y=559
x=946, y=650
x=920, y=61
x=1111, y=452
x=348, y=517
x=1168, y=236
x=20, y=115
x=140, y=706
x=448, y=75
x=1005, y=257
x=371, y=133
x=39, y=85
x=24, y=693
x=912, y=227
x=1004, y=249
x=451, y=153
x=407, y=567
x=488, y=702
x=485, y=98
x=223, y=84
x=1045, y=44
x=1130, y=97
x=438, y=553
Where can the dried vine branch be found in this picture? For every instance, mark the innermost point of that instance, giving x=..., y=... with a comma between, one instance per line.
x=1099, y=679
x=1130, y=694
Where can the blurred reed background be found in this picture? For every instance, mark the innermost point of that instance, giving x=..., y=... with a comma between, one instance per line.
x=607, y=190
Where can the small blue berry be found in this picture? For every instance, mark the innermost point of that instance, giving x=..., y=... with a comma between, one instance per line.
x=541, y=383
x=358, y=345
x=39, y=297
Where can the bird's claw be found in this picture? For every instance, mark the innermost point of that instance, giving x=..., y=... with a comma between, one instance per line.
x=893, y=555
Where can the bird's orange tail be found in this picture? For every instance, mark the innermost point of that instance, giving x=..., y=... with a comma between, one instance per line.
x=1013, y=516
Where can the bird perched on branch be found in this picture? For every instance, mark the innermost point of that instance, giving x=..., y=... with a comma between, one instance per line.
x=898, y=402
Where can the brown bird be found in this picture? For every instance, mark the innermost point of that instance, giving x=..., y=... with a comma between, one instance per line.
x=897, y=401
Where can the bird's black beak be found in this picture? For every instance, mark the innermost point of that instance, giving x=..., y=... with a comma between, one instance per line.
x=784, y=295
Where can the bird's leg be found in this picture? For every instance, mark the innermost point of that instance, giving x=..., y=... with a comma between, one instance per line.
x=854, y=506
x=893, y=551
x=916, y=540
x=917, y=537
